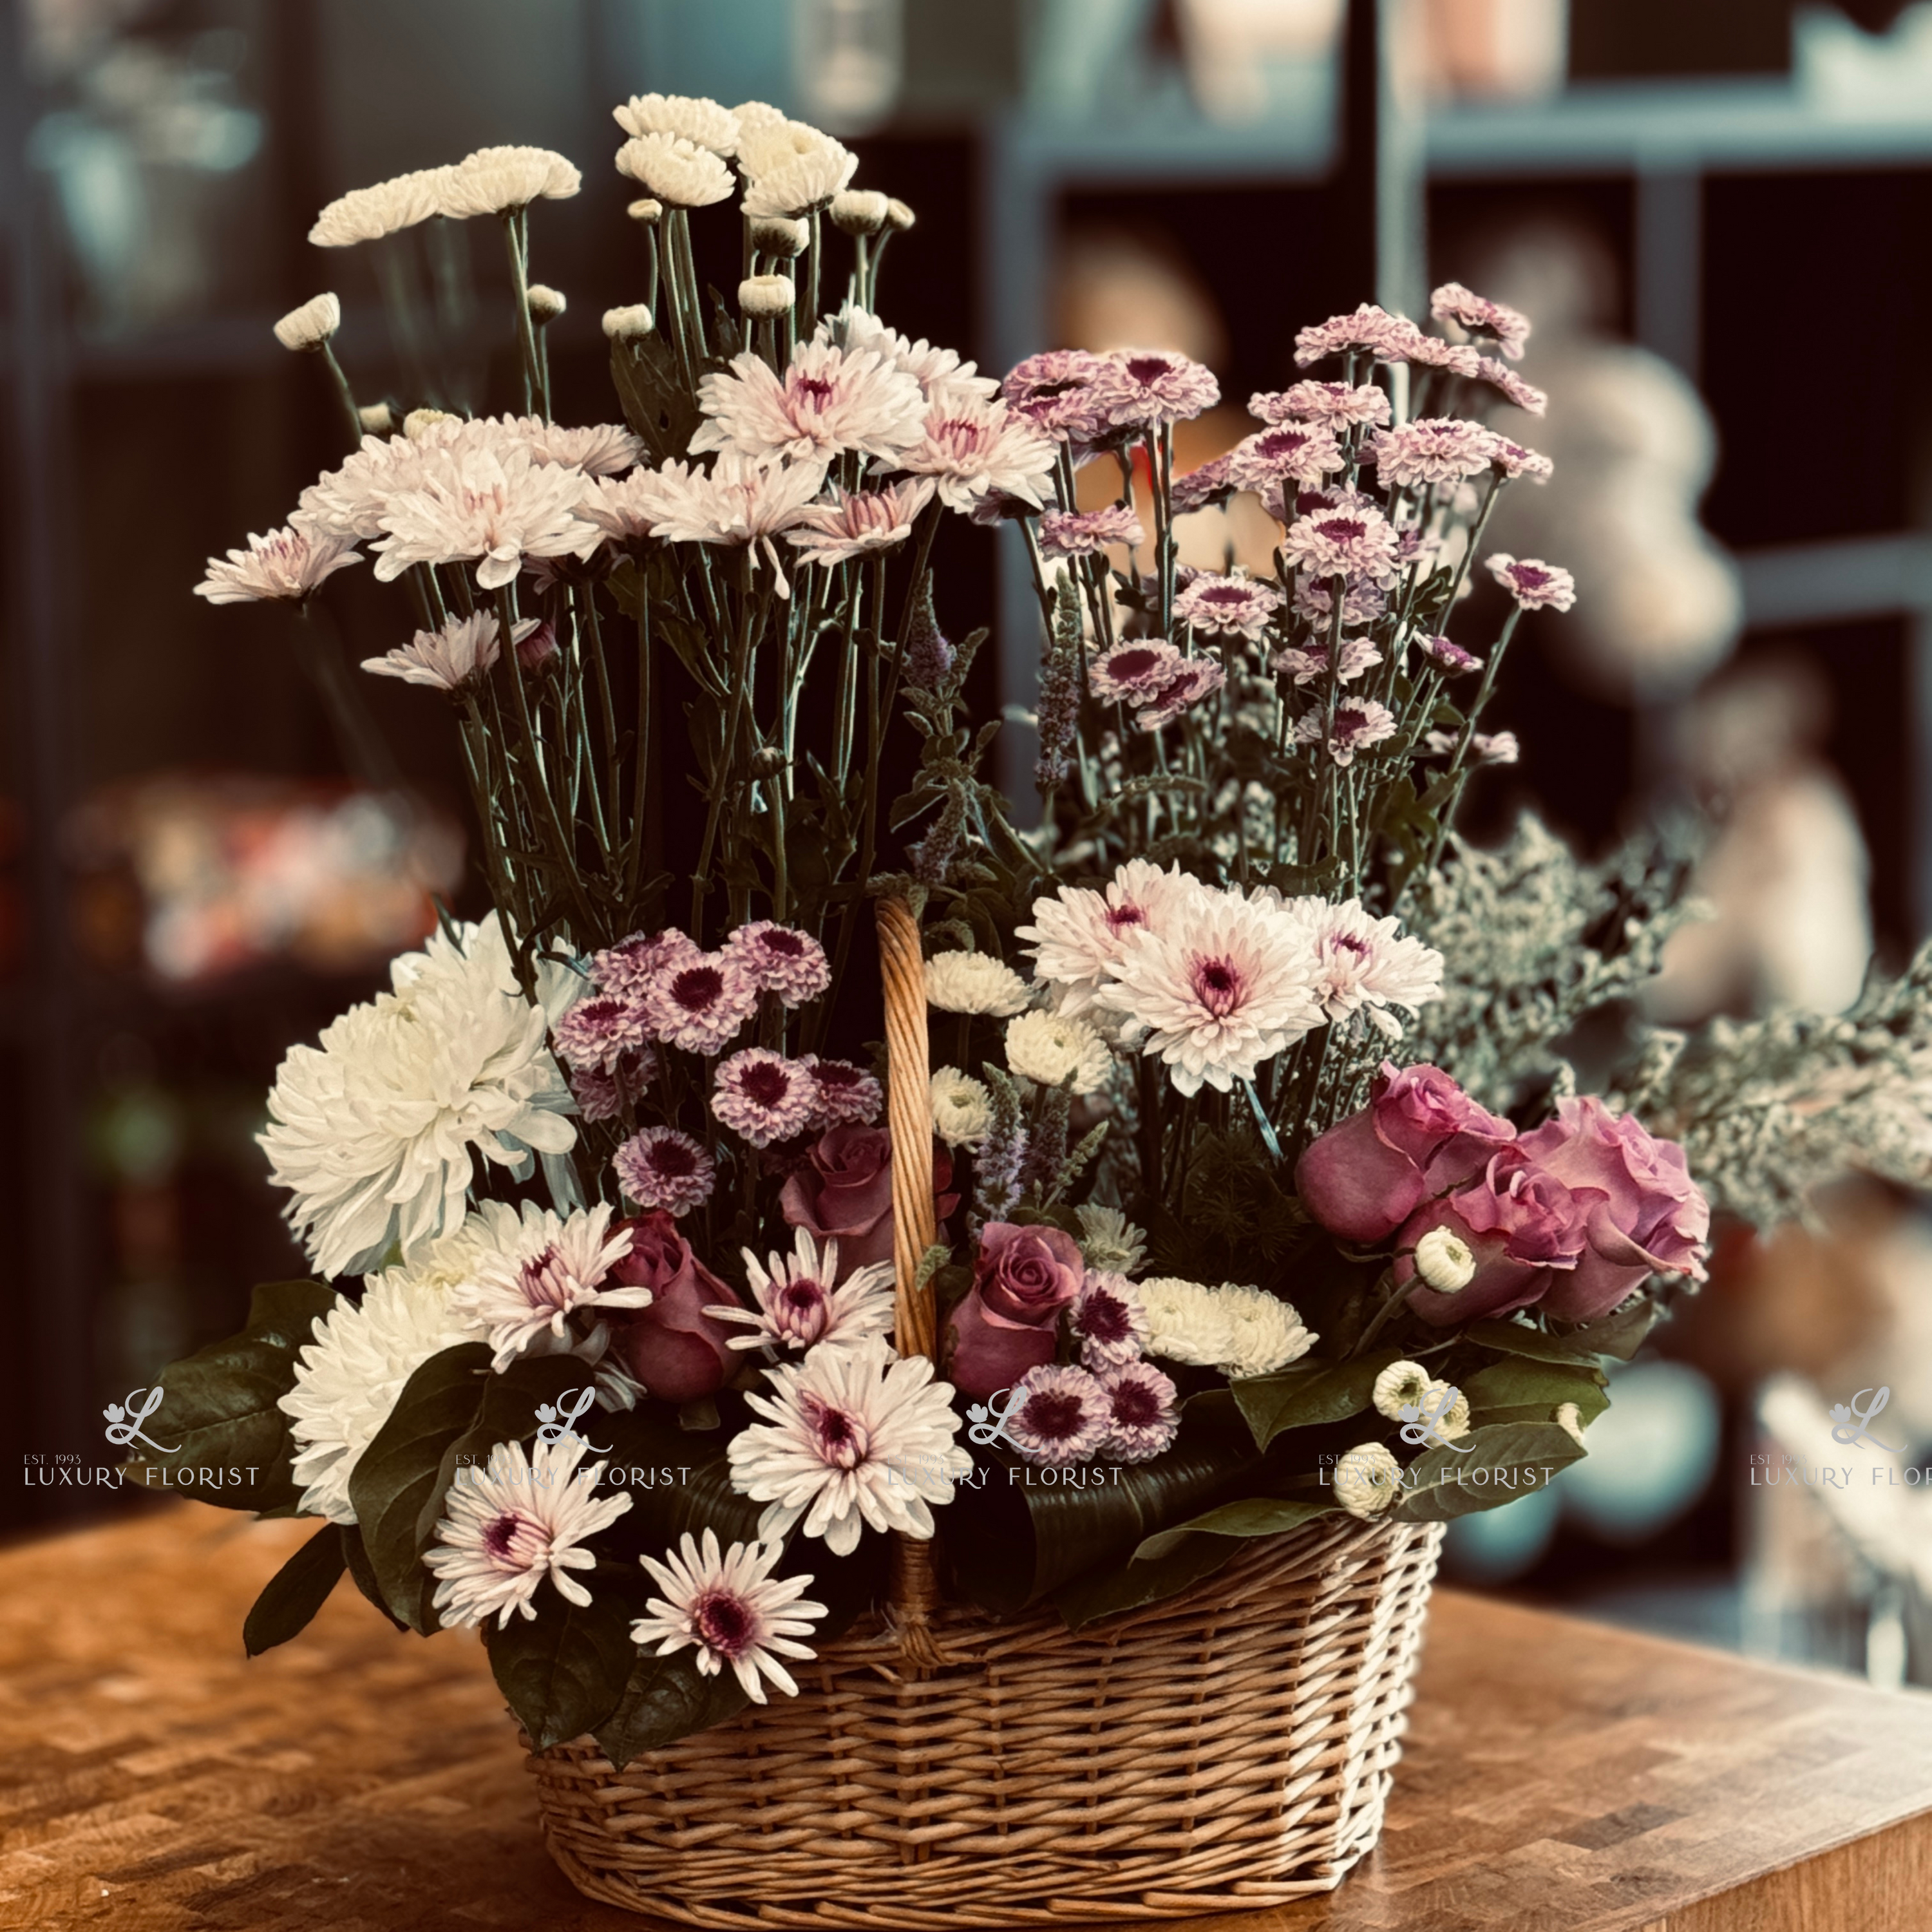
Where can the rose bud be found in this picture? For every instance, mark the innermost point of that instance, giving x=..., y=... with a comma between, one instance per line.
x=678, y=1352
x=1643, y=1214
x=844, y=1193
x=1420, y=1134
x=1009, y=1320
x=1519, y=1226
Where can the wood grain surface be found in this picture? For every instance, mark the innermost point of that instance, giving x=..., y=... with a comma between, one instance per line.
x=1561, y=1778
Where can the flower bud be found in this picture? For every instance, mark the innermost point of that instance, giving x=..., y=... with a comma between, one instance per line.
x=627, y=325
x=860, y=211
x=767, y=762
x=377, y=419
x=779, y=235
x=536, y=645
x=645, y=212
x=766, y=296
x=546, y=303
x=899, y=216
x=419, y=421
x=309, y=326
x=1445, y=1261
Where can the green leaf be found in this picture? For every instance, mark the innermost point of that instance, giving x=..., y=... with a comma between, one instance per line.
x=1309, y=1393
x=563, y=1672
x=678, y=1479
x=1510, y=1458
x=665, y=1699
x=362, y=1575
x=1620, y=1335
x=1542, y=1386
x=292, y=1595
x=1089, y=1598
x=1513, y=1338
x=398, y=1474
x=219, y=1410
x=1249, y=1516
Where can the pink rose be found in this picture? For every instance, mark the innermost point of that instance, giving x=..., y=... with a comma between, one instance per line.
x=1022, y=1278
x=1644, y=1215
x=673, y=1347
x=1522, y=1224
x=1419, y=1134
x=844, y=1193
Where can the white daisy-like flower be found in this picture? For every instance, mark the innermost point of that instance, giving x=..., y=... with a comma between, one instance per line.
x=1363, y=963
x=792, y=169
x=348, y=1377
x=494, y=508
x=458, y=653
x=692, y=118
x=974, y=447
x=851, y=1436
x=1058, y=1049
x=1367, y=1480
x=859, y=523
x=678, y=172
x=930, y=364
x=768, y=140
x=1186, y=1322
x=549, y=1267
x=375, y=1130
x=520, y=1519
x=974, y=983
x=962, y=1108
x=624, y=507
x=309, y=326
x=1221, y=991
x=493, y=180
x=1078, y=935
x=285, y=565
x=798, y=1307
x=827, y=401
x=729, y=1607
x=1266, y=1334
x=742, y=499
x=1399, y=1386
x=1445, y=1262
x=368, y=214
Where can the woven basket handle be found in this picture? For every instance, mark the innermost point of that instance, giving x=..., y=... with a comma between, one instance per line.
x=914, y=1591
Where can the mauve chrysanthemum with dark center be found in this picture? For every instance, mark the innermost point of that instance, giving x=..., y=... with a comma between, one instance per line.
x=1227, y=606
x=1343, y=543
x=764, y=1096
x=1198, y=678
x=1435, y=450
x=1143, y=1412
x=597, y=1033
x=1057, y=1416
x=697, y=1004
x=843, y=1093
x=1535, y=585
x=658, y=1167
x=1358, y=723
x=1146, y=388
x=1295, y=452
x=1448, y=656
x=780, y=959
x=628, y=969
x=1108, y=1320
x=1310, y=661
x=1196, y=489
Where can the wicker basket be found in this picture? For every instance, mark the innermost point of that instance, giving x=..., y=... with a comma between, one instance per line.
x=1228, y=1749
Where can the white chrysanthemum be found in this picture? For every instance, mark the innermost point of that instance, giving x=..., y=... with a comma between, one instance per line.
x=974, y=447
x=931, y=366
x=348, y=1378
x=1367, y=1480
x=1363, y=965
x=798, y=1306
x=678, y=172
x=508, y=1526
x=741, y=499
x=284, y=565
x=693, y=118
x=375, y=1130
x=368, y=214
x=826, y=403
x=598, y=449
x=962, y=1109
x=1078, y=934
x=851, y=1436
x=490, y=507
x=461, y=650
x=1058, y=1049
x=548, y=1266
x=729, y=1606
x=1186, y=1322
x=1451, y=1408
x=860, y=522
x=1400, y=1385
x=1230, y=986
x=763, y=297
x=1110, y=1242
x=494, y=180
x=309, y=326
x=1266, y=1333
x=974, y=983
x=790, y=169
x=1445, y=1262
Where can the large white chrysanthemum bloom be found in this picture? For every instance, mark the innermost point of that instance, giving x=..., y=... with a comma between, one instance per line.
x=974, y=448
x=1227, y=988
x=728, y=1606
x=1058, y=1049
x=375, y=1130
x=284, y=565
x=851, y=1436
x=678, y=172
x=827, y=401
x=493, y=180
x=368, y=214
x=931, y=365
x=1266, y=1332
x=1078, y=934
x=974, y=983
x=685, y=117
x=962, y=1108
x=1186, y=1322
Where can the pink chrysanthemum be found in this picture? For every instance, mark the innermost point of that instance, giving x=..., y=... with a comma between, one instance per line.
x=1513, y=459
x=1197, y=678
x=1359, y=723
x=781, y=960
x=1145, y=388
x=1340, y=405
x=697, y=1004
x=1431, y=352
x=1109, y=1321
x=764, y=1096
x=843, y=1094
x=1500, y=375
x=1131, y=673
x=1143, y=1412
x=1507, y=327
x=605, y=1096
x=1433, y=449
x=974, y=448
x=1366, y=963
x=286, y=565
x=1082, y=532
x=1447, y=656
x=1056, y=1416
x=1308, y=662
x=597, y=1033
x=658, y=1167
x=1501, y=748
x=1197, y=489
x=1314, y=602
x=1343, y=543
x=1060, y=392
x=1298, y=453
x=800, y=1303
x=1535, y=585
x=859, y=523
x=1370, y=328
x=825, y=402
x=1078, y=933
x=629, y=969
x=1228, y=607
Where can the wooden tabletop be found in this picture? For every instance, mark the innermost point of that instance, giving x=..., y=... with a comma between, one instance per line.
x=1560, y=1776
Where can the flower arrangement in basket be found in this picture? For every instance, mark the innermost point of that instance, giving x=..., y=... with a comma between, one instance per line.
x=1033, y=1426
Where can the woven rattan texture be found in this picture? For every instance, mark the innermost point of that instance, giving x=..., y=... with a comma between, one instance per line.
x=1229, y=1749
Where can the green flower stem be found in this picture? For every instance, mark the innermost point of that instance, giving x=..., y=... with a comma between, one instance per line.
x=344, y=395
x=515, y=243
x=643, y=808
